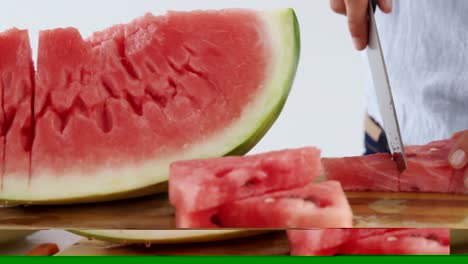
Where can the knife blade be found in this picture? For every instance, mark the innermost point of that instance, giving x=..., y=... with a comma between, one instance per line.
x=384, y=92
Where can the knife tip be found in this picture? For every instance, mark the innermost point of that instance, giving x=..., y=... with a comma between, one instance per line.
x=400, y=161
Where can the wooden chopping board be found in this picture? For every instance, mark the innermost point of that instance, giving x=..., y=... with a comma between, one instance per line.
x=459, y=241
x=384, y=210
x=271, y=244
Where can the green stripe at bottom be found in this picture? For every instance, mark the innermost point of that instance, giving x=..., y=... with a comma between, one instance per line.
x=237, y=260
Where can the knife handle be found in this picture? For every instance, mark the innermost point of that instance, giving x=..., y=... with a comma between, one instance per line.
x=373, y=3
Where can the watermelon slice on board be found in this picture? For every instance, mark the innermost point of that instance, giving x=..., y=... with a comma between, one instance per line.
x=367, y=173
x=405, y=242
x=111, y=112
x=328, y=242
x=199, y=185
x=428, y=170
x=317, y=205
x=269, y=190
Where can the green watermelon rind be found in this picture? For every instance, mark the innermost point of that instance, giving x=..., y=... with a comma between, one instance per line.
x=116, y=236
x=285, y=21
x=284, y=28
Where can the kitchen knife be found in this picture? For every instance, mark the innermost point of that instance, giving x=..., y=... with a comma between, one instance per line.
x=384, y=91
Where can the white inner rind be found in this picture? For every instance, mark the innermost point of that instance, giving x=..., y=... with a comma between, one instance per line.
x=280, y=29
x=164, y=236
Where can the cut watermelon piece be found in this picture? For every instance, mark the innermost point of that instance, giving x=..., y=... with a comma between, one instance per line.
x=113, y=111
x=205, y=184
x=326, y=242
x=197, y=220
x=428, y=170
x=317, y=205
x=406, y=242
x=457, y=183
x=368, y=173
x=17, y=78
x=369, y=242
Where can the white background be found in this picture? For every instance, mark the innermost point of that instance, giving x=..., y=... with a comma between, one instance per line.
x=327, y=104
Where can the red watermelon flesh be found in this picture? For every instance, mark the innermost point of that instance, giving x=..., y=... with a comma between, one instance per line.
x=205, y=184
x=406, y=242
x=197, y=220
x=428, y=169
x=108, y=114
x=93, y=96
x=368, y=173
x=327, y=241
x=368, y=241
x=17, y=77
x=404, y=246
x=457, y=183
x=317, y=205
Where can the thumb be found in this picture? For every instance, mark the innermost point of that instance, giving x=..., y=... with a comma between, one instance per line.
x=458, y=157
x=385, y=5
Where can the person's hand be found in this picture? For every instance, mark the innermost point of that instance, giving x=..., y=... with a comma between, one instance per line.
x=458, y=157
x=357, y=13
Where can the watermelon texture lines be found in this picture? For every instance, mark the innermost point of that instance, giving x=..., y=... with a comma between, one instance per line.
x=110, y=113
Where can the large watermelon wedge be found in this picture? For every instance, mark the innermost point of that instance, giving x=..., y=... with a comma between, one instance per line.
x=111, y=112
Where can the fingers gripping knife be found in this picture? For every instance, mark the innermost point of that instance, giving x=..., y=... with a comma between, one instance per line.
x=384, y=91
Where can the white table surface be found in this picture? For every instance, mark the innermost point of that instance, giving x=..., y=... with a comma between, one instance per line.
x=62, y=238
